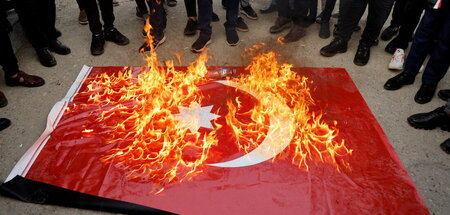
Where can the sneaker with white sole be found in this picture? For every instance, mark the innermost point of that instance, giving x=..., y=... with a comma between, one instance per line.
x=397, y=60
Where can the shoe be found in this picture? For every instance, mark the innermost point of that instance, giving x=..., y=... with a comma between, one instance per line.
x=425, y=93
x=336, y=46
x=389, y=32
x=397, y=60
x=431, y=120
x=215, y=17
x=362, y=55
x=115, y=3
x=444, y=94
x=280, y=24
x=157, y=41
x=249, y=12
x=392, y=46
x=4, y=123
x=269, y=9
x=232, y=37
x=82, y=18
x=115, y=36
x=97, y=44
x=240, y=25
x=25, y=80
x=58, y=33
x=191, y=27
x=399, y=81
x=3, y=100
x=446, y=146
x=324, y=31
x=295, y=34
x=172, y=3
x=59, y=48
x=201, y=43
x=46, y=58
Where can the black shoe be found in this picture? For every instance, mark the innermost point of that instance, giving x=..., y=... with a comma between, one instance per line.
x=4, y=123
x=392, y=46
x=157, y=40
x=362, y=55
x=59, y=48
x=97, y=43
x=214, y=17
x=240, y=25
x=336, y=46
x=431, y=120
x=3, y=100
x=389, y=32
x=201, y=43
x=46, y=58
x=280, y=24
x=191, y=27
x=269, y=9
x=116, y=37
x=249, y=12
x=444, y=94
x=446, y=146
x=425, y=93
x=232, y=37
x=324, y=31
x=399, y=81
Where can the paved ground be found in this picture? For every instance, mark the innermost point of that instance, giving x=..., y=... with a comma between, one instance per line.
x=419, y=150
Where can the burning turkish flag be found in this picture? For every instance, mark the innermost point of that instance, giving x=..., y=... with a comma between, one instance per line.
x=297, y=146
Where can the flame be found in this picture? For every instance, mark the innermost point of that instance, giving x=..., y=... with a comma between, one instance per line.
x=149, y=145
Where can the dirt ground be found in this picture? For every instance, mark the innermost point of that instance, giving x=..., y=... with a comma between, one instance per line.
x=419, y=150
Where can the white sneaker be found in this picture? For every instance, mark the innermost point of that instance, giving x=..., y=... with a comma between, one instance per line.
x=397, y=60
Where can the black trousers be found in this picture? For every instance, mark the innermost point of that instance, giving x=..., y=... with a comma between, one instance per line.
x=80, y=5
x=412, y=14
x=191, y=8
x=398, y=13
x=38, y=21
x=158, y=16
x=328, y=10
x=205, y=13
x=351, y=12
x=93, y=15
x=435, y=24
x=8, y=59
x=302, y=12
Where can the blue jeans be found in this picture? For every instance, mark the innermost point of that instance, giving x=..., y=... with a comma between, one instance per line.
x=435, y=24
x=205, y=13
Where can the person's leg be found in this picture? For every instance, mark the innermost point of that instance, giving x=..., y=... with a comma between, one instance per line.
x=191, y=8
x=7, y=58
x=142, y=6
x=93, y=15
x=378, y=13
x=328, y=10
x=204, y=25
x=48, y=8
x=107, y=11
x=30, y=19
x=80, y=5
x=398, y=13
x=350, y=13
x=230, y=24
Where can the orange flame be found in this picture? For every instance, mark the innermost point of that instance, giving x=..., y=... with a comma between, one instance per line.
x=149, y=144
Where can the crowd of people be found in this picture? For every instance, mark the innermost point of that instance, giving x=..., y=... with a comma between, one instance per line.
x=431, y=18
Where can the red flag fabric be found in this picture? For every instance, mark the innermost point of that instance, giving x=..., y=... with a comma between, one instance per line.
x=375, y=181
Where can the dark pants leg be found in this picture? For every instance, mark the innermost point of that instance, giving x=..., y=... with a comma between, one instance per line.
x=7, y=58
x=232, y=14
x=432, y=22
x=378, y=13
x=191, y=8
x=158, y=17
x=142, y=6
x=49, y=12
x=412, y=15
x=93, y=15
x=33, y=17
x=439, y=61
x=398, y=13
x=80, y=5
x=283, y=8
x=350, y=12
x=304, y=12
x=328, y=10
x=204, y=17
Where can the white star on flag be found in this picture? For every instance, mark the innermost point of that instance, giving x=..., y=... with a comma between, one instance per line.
x=194, y=117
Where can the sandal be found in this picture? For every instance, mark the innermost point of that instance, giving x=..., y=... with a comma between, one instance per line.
x=24, y=79
x=171, y=3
